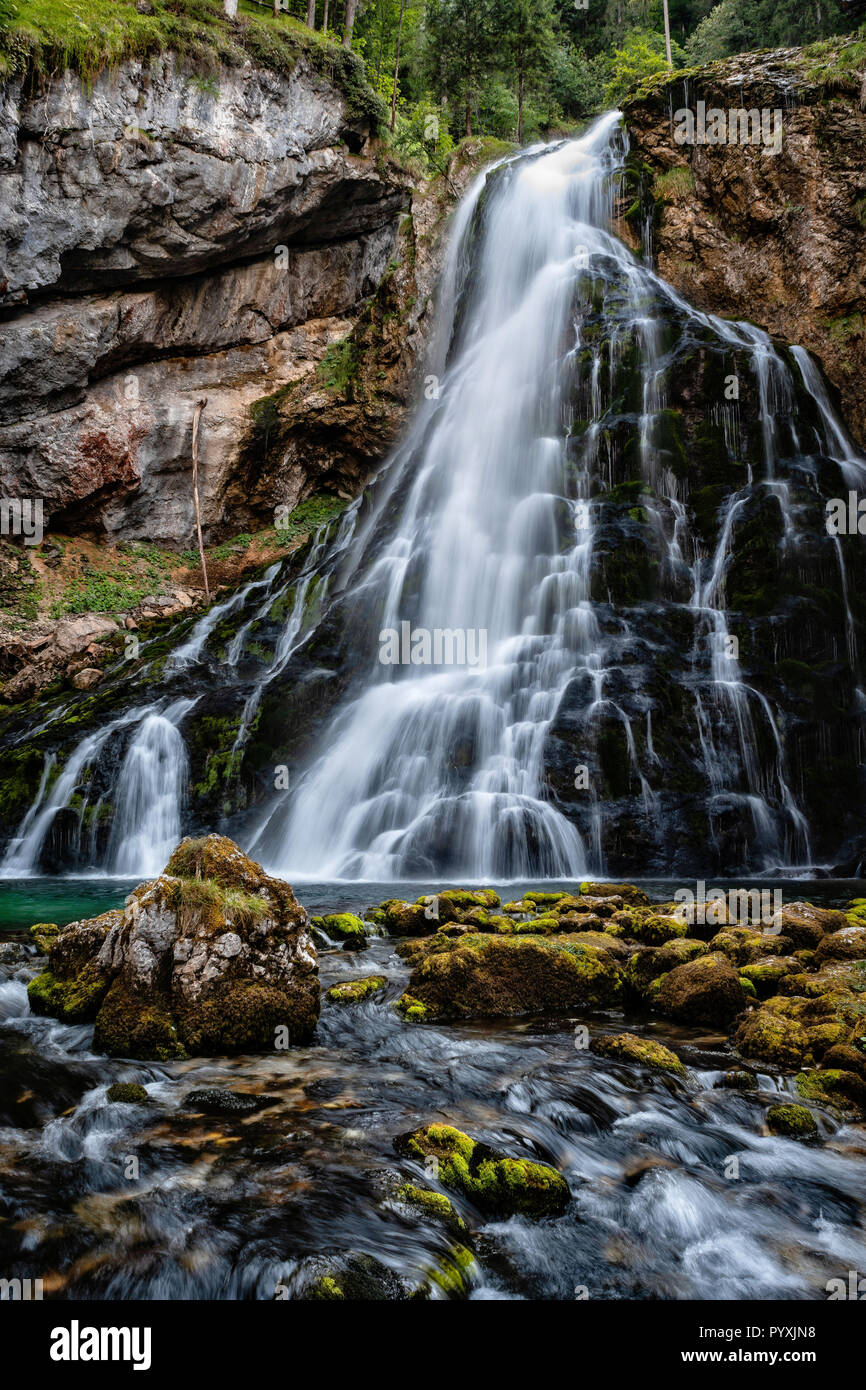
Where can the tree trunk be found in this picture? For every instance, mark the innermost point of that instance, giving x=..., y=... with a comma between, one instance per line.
x=468, y=114
x=325, y=18
x=200, y=405
x=668, y=34
x=397, y=68
x=351, y=7
x=311, y=14
x=520, y=107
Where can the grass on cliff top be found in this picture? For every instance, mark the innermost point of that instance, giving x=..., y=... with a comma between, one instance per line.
x=836, y=65
x=42, y=37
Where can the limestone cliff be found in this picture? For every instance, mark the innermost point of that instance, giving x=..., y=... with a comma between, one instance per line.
x=777, y=238
x=167, y=238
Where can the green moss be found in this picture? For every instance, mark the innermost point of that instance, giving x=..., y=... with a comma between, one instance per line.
x=71, y=1001
x=748, y=987
x=644, y=1051
x=309, y=516
x=326, y=1290
x=840, y=1091
x=126, y=1093
x=353, y=991
x=493, y=1182
x=794, y=1121
x=43, y=933
x=433, y=1204
x=412, y=1009
x=450, y=1272
x=129, y=1025
x=345, y=926
x=41, y=36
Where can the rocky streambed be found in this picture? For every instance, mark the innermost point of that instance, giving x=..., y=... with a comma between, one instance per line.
x=210, y=1094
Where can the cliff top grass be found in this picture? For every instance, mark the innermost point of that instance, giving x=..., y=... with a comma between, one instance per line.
x=835, y=65
x=42, y=37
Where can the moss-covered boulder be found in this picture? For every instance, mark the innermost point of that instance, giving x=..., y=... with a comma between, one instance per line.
x=745, y=946
x=704, y=990
x=409, y=919
x=625, y=1047
x=649, y=964
x=481, y=975
x=126, y=1093
x=345, y=927
x=354, y=991
x=74, y=984
x=214, y=957
x=843, y=1092
x=43, y=933
x=494, y=1182
x=793, y=1121
x=635, y=897
x=806, y=925
x=847, y=944
x=435, y=1206
x=767, y=974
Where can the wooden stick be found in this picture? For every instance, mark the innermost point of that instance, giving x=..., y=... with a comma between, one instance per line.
x=200, y=405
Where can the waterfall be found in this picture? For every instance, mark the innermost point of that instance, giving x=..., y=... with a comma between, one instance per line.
x=426, y=768
x=152, y=782
x=523, y=629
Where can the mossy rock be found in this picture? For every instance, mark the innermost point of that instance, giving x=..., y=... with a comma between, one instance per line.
x=793, y=1121
x=345, y=927
x=434, y=1205
x=357, y=1279
x=655, y=930
x=451, y=1272
x=840, y=1091
x=485, y=975
x=748, y=988
x=354, y=991
x=126, y=1093
x=43, y=933
x=412, y=1010
x=648, y=965
x=130, y=1025
x=494, y=1182
x=767, y=975
x=408, y=919
x=705, y=991
x=634, y=897
x=625, y=1047
x=71, y=1001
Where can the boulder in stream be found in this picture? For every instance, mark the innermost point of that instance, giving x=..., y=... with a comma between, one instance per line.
x=214, y=956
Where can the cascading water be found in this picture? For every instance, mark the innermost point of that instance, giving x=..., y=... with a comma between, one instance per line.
x=436, y=768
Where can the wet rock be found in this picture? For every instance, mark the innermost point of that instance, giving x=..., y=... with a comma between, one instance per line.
x=126, y=1093
x=766, y=975
x=483, y=975
x=804, y=925
x=211, y=957
x=434, y=1205
x=357, y=1279
x=649, y=964
x=494, y=1182
x=215, y=1101
x=705, y=990
x=625, y=1047
x=840, y=1091
x=87, y=679
x=847, y=944
x=794, y=1121
x=43, y=933
x=736, y=1080
x=343, y=926
x=354, y=991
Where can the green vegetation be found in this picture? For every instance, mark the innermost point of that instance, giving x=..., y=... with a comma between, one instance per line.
x=308, y=516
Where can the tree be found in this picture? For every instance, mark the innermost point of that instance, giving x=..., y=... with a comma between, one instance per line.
x=461, y=47
x=529, y=41
x=397, y=66
x=311, y=14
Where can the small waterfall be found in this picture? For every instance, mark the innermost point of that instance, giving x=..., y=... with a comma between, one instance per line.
x=152, y=782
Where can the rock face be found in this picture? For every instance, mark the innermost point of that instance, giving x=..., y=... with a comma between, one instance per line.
x=211, y=957
x=779, y=239
x=164, y=242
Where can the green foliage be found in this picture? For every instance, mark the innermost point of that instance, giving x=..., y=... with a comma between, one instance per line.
x=641, y=56
x=309, y=516
x=101, y=593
